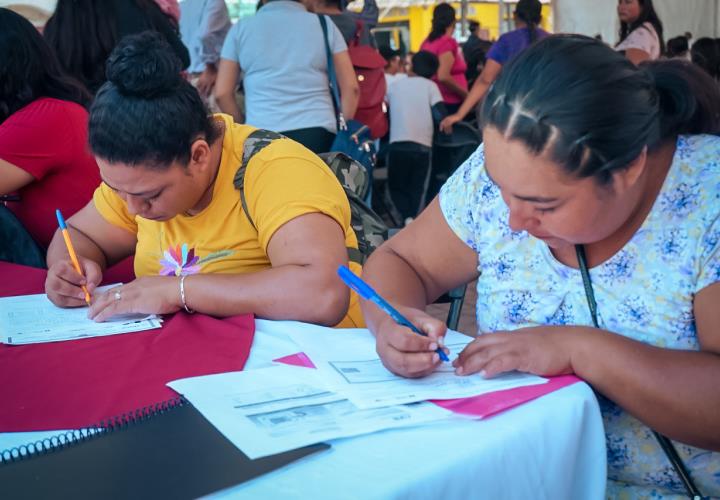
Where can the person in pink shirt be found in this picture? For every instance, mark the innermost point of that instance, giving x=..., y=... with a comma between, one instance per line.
x=450, y=76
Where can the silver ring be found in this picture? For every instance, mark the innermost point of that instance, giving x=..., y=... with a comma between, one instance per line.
x=117, y=295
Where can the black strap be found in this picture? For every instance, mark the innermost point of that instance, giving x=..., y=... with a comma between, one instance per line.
x=667, y=446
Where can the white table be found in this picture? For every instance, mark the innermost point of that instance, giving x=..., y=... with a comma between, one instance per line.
x=550, y=448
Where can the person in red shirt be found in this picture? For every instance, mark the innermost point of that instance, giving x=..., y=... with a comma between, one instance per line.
x=450, y=75
x=44, y=156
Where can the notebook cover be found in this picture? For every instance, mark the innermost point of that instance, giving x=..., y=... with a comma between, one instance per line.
x=173, y=454
x=73, y=384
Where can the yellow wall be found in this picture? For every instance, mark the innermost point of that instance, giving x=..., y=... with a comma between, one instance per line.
x=419, y=19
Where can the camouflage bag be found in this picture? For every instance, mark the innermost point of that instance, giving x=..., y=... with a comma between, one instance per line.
x=369, y=228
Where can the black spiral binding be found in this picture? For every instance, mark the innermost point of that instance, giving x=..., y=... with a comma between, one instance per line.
x=72, y=438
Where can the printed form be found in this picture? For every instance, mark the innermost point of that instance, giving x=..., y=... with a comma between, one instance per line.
x=349, y=365
x=30, y=319
x=271, y=410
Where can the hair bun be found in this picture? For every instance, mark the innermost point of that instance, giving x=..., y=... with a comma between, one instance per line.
x=144, y=65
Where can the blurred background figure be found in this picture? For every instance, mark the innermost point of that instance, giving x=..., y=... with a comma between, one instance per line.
x=527, y=16
x=351, y=24
x=641, y=31
x=416, y=106
x=281, y=50
x=705, y=53
x=678, y=48
x=394, y=67
x=203, y=27
x=451, y=72
x=84, y=32
x=44, y=158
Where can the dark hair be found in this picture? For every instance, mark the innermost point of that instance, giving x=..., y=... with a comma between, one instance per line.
x=529, y=12
x=147, y=112
x=591, y=110
x=388, y=53
x=443, y=18
x=647, y=15
x=84, y=32
x=425, y=64
x=473, y=25
x=29, y=68
x=677, y=46
x=706, y=54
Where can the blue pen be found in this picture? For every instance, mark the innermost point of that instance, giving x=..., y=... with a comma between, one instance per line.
x=367, y=293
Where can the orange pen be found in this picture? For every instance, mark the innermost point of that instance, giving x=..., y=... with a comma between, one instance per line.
x=71, y=251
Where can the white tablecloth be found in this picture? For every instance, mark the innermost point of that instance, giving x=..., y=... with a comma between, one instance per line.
x=550, y=448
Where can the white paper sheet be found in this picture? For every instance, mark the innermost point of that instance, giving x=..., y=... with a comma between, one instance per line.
x=29, y=319
x=271, y=410
x=349, y=365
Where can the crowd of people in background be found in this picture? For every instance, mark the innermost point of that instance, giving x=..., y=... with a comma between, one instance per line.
x=104, y=116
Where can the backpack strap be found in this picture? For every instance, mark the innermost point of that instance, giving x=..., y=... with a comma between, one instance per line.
x=254, y=143
x=257, y=141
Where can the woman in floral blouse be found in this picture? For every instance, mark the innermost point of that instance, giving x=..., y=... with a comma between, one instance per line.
x=586, y=159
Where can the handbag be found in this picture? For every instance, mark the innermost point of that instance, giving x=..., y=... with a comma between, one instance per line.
x=667, y=446
x=353, y=138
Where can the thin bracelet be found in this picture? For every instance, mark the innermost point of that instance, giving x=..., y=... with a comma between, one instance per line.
x=182, y=294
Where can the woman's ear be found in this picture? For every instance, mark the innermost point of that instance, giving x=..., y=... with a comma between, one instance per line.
x=626, y=178
x=199, y=156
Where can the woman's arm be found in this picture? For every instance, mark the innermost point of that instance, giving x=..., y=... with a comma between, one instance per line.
x=636, y=56
x=347, y=83
x=301, y=285
x=12, y=178
x=489, y=73
x=97, y=243
x=447, y=59
x=410, y=271
x=225, y=86
x=673, y=391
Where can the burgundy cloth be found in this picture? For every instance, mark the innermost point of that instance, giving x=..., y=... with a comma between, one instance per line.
x=67, y=385
x=48, y=139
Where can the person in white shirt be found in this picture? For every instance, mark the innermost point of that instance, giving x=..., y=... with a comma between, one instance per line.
x=641, y=31
x=416, y=105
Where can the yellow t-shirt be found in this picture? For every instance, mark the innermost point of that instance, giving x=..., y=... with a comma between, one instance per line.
x=282, y=181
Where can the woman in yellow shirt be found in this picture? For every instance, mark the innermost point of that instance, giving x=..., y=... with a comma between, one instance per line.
x=168, y=197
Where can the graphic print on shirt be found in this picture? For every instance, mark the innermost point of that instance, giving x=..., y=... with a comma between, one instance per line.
x=178, y=260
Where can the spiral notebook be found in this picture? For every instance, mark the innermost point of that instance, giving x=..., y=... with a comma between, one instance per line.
x=166, y=451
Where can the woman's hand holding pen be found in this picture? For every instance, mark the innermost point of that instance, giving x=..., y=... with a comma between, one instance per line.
x=543, y=350
x=405, y=353
x=63, y=284
x=145, y=295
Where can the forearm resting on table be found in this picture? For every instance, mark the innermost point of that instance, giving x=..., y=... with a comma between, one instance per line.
x=674, y=392
x=289, y=292
x=83, y=245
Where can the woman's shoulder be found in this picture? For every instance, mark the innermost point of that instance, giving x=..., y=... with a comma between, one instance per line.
x=49, y=113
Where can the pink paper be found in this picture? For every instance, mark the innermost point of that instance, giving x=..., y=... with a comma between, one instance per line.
x=477, y=406
x=492, y=403
x=297, y=359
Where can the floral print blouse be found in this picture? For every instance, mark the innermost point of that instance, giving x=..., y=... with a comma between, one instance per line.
x=644, y=292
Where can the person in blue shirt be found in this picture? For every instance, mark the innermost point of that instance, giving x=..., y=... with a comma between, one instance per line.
x=281, y=52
